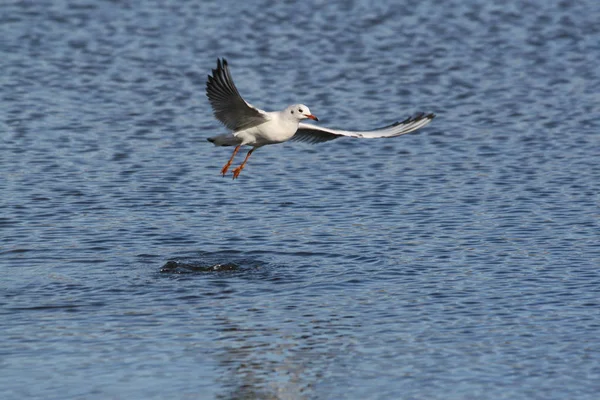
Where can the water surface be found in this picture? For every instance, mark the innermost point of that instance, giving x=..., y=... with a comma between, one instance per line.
x=458, y=262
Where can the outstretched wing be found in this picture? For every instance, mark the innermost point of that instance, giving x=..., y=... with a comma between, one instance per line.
x=315, y=134
x=228, y=106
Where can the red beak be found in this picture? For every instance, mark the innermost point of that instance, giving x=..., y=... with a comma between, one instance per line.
x=311, y=117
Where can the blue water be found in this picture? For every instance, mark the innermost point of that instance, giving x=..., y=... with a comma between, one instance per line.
x=458, y=262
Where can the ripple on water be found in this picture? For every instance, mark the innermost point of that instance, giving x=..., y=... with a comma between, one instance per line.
x=191, y=267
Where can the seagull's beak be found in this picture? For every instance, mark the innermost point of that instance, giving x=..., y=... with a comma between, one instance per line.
x=311, y=117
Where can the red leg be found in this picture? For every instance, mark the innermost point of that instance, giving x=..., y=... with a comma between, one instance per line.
x=226, y=167
x=236, y=172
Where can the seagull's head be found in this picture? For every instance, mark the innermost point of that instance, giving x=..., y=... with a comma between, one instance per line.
x=300, y=112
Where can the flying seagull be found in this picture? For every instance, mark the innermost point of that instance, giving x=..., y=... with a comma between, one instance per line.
x=253, y=127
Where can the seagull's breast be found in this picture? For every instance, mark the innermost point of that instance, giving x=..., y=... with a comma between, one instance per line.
x=276, y=130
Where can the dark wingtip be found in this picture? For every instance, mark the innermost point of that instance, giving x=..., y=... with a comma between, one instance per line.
x=414, y=118
x=211, y=140
x=221, y=64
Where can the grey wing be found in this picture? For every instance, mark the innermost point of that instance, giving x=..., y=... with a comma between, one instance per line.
x=315, y=134
x=228, y=106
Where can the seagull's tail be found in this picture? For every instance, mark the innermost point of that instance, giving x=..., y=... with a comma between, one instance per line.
x=225, y=139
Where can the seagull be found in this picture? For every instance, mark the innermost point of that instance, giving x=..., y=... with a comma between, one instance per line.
x=253, y=127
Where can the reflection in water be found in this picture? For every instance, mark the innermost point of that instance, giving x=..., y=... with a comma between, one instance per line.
x=260, y=363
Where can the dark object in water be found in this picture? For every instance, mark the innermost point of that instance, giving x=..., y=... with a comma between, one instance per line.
x=178, y=267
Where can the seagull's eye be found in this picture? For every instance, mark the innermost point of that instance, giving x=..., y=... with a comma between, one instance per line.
x=292, y=111
x=300, y=110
